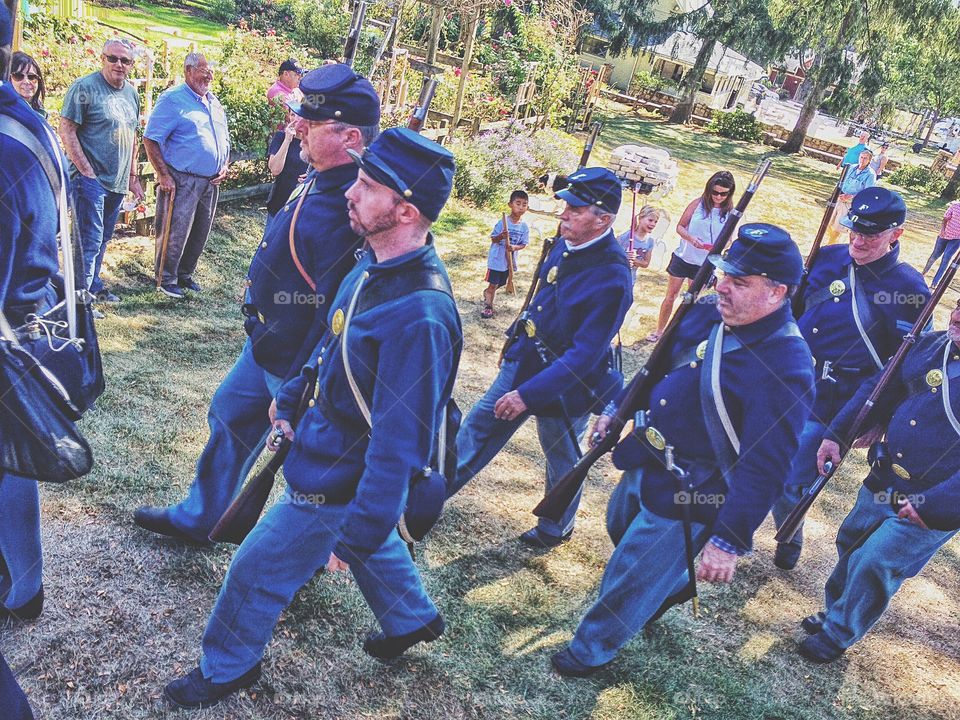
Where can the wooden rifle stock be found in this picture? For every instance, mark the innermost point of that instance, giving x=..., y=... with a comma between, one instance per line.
x=419, y=116
x=548, y=243
x=511, y=290
x=559, y=498
x=794, y=520
x=817, y=242
x=353, y=37
x=244, y=512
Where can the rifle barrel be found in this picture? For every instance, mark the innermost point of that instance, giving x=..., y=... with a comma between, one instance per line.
x=793, y=521
x=558, y=499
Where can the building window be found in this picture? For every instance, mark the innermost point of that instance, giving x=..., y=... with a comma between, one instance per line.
x=706, y=86
x=595, y=46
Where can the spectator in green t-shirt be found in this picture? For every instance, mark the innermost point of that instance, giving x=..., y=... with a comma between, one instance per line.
x=99, y=122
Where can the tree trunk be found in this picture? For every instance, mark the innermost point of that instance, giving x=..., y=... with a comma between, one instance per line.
x=950, y=192
x=691, y=83
x=933, y=121
x=795, y=140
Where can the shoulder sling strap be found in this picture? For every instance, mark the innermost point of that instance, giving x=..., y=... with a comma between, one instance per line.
x=947, y=407
x=58, y=185
x=293, y=245
x=861, y=306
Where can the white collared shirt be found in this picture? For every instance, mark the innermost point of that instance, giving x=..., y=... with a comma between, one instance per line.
x=583, y=246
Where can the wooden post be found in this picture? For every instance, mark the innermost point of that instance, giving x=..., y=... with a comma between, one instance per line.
x=436, y=25
x=465, y=65
x=148, y=86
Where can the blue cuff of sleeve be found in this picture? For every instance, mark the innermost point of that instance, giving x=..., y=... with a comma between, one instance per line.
x=727, y=547
x=611, y=409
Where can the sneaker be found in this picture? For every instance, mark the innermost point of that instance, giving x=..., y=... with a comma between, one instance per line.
x=188, y=284
x=171, y=290
x=195, y=691
x=105, y=296
x=97, y=315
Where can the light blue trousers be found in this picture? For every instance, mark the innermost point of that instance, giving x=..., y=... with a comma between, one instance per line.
x=483, y=436
x=21, y=557
x=877, y=552
x=648, y=565
x=238, y=428
x=289, y=545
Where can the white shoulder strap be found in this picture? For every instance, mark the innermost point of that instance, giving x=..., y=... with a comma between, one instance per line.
x=718, y=395
x=852, y=276
x=947, y=407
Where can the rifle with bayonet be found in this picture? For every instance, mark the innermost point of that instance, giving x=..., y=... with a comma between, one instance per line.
x=353, y=36
x=419, y=116
x=638, y=391
x=548, y=243
x=817, y=242
x=794, y=520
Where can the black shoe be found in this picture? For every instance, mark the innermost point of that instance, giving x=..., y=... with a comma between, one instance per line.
x=30, y=610
x=820, y=649
x=195, y=691
x=171, y=290
x=382, y=647
x=188, y=284
x=567, y=665
x=812, y=624
x=787, y=555
x=540, y=540
x=157, y=520
x=105, y=296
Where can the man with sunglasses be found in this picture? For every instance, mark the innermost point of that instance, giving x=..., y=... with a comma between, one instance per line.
x=557, y=369
x=306, y=251
x=188, y=145
x=98, y=126
x=859, y=301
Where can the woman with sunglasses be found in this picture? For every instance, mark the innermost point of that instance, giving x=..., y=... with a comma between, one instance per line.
x=27, y=80
x=698, y=228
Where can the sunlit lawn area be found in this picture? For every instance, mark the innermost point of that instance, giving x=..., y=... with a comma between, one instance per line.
x=125, y=610
x=154, y=20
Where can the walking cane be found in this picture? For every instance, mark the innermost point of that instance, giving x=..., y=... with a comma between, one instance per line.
x=165, y=236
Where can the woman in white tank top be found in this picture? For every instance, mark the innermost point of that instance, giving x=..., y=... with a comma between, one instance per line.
x=698, y=228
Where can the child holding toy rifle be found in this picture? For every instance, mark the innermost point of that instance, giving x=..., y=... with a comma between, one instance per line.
x=508, y=237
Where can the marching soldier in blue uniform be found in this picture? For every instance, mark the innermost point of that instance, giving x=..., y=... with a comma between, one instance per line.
x=709, y=449
x=28, y=248
x=860, y=301
x=909, y=505
x=369, y=431
x=306, y=251
x=558, y=369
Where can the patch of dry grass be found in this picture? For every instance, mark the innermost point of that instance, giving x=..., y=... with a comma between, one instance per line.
x=126, y=611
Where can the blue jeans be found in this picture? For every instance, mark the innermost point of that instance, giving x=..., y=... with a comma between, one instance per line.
x=648, y=565
x=97, y=210
x=947, y=248
x=238, y=428
x=290, y=545
x=21, y=557
x=877, y=552
x=483, y=436
x=802, y=474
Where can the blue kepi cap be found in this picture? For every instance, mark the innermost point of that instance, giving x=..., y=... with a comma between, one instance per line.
x=593, y=186
x=418, y=169
x=762, y=249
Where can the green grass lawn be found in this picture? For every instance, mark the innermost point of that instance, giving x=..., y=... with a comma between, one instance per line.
x=152, y=21
x=126, y=610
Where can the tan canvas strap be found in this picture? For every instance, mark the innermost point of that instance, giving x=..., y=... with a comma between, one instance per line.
x=293, y=245
x=854, y=306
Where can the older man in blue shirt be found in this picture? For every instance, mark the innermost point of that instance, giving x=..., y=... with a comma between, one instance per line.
x=859, y=177
x=188, y=145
